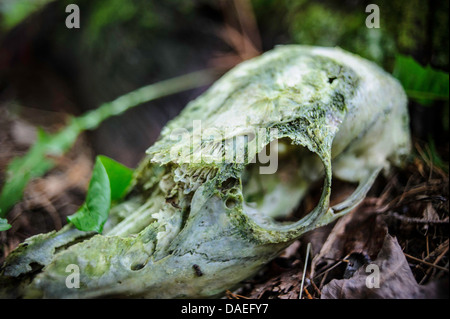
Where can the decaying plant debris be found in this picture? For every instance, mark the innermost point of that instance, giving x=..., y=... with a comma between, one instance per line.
x=368, y=250
x=407, y=211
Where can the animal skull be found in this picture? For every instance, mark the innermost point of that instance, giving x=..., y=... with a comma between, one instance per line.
x=200, y=217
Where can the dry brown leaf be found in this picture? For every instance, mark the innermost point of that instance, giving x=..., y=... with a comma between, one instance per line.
x=396, y=280
x=361, y=231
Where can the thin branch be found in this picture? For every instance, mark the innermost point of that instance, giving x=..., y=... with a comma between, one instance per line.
x=308, y=248
x=417, y=220
x=425, y=262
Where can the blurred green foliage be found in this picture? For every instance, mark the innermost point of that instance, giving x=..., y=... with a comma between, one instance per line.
x=38, y=160
x=15, y=11
x=423, y=84
x=408, y=27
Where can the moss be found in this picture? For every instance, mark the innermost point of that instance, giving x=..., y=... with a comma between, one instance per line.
x=418, y=28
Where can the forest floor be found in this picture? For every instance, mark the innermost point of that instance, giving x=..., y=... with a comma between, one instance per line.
x=402, y=227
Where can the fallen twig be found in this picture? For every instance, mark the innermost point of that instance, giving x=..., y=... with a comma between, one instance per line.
x=417, y=220
x=425, y=262
x=308, y=248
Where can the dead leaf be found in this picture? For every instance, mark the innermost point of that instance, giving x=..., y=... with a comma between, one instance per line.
x=396, y=280
x=361, y=231
x=284, y=286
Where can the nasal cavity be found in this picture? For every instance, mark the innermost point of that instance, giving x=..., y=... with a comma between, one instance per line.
x=291, y=191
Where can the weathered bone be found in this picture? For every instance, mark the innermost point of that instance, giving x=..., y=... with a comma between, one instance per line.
x=193, y=224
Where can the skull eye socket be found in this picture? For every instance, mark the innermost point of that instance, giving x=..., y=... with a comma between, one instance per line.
x=277, y=196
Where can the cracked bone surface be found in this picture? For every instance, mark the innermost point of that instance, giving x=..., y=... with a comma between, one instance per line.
x=201, y=217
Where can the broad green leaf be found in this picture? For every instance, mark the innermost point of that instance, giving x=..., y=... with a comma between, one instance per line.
x=110, y=181
x=119, y=177
x=423, y=84
x=94, y=212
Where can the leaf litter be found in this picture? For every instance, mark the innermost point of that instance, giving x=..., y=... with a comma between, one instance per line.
x=401, y=226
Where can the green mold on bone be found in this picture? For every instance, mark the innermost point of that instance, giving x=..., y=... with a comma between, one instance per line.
x=202, y=215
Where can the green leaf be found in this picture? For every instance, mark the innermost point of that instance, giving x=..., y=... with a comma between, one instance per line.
x=119, y=176
x=110, y=181
x=93, y=214
x=423, y=84
x=4, y=224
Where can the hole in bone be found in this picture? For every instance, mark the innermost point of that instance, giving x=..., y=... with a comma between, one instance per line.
x=228, y=183
x=277, y=196
x=35, y=267
x=137, y=266
x=230, y=202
